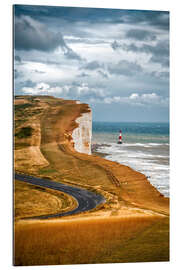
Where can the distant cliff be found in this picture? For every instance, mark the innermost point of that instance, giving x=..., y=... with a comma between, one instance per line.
x=83, y=133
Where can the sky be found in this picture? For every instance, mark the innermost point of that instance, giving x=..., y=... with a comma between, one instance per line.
x=115, y=60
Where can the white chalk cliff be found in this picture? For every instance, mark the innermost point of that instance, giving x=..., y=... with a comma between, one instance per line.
x=83, y=133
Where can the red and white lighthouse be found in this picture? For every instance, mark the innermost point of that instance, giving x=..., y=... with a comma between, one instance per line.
x=120, y=137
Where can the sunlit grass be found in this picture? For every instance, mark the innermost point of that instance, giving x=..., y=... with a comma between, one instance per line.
x=91, y=241
x=30, y=200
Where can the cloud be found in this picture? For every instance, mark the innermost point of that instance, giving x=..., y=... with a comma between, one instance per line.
x=83, y=75
x=145, y=98
x=92, y=65
x=31, y=34
x=162, y=74
x=103, y=74
x=42, y=89
x=115, y=45
x=125, y=68
x=69, y=53
x=72, y=47
x=70, y=91
x=159, y=19
x=159, y=52
x=124, y=46
x=92, y=41
x=163, y=60
x=139, y=34
x=134, y=96
x=17, y=74
x=38, y=71
x=85, y=92
x=94, y=95
x=135, y=99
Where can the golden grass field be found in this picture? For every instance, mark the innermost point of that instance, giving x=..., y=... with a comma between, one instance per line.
x=132, y=225
x=33, y=200
x=100, y=240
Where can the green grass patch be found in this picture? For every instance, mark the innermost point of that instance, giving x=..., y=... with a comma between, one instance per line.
x=24, y=132
x=47, y=170
x=22, y=106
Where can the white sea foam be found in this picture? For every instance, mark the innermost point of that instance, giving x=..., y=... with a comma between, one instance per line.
x=151, y=159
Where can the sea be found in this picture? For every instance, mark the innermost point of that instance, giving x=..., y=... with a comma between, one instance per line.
x=145, y=148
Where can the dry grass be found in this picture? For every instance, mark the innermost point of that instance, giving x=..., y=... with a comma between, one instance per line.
x=91, y=241
x=30, y=200
x=29, y=159
x=20, y=101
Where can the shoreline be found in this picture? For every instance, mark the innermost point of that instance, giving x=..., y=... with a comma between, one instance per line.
x=96, y=146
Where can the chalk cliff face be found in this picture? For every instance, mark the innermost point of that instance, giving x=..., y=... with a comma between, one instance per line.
x=83, y=133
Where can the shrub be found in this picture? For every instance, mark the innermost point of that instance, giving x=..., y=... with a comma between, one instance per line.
x=24, y=132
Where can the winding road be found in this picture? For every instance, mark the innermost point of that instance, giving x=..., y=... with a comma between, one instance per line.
x=87, y=200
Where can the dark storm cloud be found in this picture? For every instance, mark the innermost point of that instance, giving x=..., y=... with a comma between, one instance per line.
x=73, y=14
x=160, y=19
x=30, y=34
x=124, y=68
x=139, y=34
x=33, y=35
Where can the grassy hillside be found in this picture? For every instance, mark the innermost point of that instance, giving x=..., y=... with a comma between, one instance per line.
x=103, y=240
x=33, y=200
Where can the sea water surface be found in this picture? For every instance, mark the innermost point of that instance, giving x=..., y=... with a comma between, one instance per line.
x=145, y=148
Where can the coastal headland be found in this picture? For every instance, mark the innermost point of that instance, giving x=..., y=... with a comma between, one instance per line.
x=53, y=141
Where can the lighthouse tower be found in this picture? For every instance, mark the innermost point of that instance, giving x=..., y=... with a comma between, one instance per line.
x=120, y=137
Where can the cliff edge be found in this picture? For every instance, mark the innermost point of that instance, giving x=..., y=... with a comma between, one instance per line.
x=82, y=134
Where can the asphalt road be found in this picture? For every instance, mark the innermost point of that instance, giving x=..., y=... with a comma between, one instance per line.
x=87, y=200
